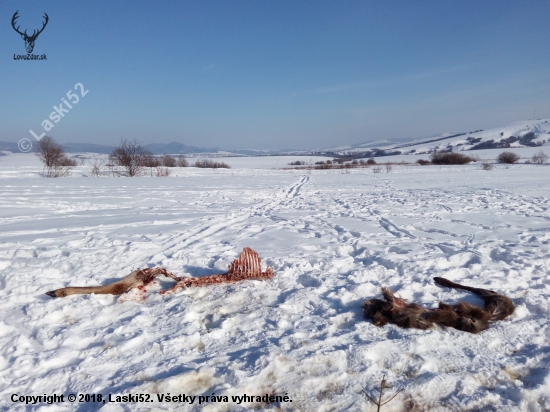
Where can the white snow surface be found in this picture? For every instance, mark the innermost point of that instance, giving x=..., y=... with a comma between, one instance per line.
x=334, y=239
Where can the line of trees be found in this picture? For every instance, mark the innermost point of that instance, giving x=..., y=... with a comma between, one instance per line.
x=129, y=155
x=134, y=158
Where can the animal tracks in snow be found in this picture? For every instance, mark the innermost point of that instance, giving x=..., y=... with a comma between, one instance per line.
x=295, y=189
x=394, y=230
x=333, y=240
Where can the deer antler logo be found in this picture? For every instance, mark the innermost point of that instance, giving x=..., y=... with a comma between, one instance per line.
x=29, y=40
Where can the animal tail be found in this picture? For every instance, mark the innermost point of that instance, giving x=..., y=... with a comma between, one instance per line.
x=477, y=291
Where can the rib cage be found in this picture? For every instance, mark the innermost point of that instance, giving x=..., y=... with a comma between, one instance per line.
x=247, y=266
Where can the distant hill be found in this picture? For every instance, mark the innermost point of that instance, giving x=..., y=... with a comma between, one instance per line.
x=527, y=133
x=10, y=147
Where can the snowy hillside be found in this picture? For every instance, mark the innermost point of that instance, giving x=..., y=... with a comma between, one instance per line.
x=334, y=239
x=529, y=133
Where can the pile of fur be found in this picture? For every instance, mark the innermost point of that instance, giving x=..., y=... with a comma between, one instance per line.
x=462, y=316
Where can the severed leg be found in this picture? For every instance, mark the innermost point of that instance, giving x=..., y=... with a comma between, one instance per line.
x=246, y=266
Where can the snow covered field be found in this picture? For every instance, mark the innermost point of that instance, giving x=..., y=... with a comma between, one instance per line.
x=333, y=239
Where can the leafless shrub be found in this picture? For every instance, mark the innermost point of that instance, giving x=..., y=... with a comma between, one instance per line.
x=163, y=172
x=450, y=158
x=168, y=161
x=354, y=162
x=182, y=161
x=362, y=162
x=131, y=156
x=371, y=161
x=66, y=161
x=487, y=166
x=97, y=167
x=508, y=158
x=423, y=162
x=389, y=168
x=376, y=169
x=539, y=158
x=111, y=167
x=151, y=161
x=379, y=402
x=210, y=164
x=52, y=155
x=59, y=170
x=62, y=168
x=297, y=163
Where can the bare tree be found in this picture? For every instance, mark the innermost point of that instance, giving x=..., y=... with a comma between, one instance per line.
x=49, y=152
x=540, y=158
x=130, y=155
x=56, y=162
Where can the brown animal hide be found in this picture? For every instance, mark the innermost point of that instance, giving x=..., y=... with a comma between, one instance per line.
x=246, y=266
x=462, y=316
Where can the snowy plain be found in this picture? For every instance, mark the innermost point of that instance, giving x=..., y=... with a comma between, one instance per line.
x=334, y=238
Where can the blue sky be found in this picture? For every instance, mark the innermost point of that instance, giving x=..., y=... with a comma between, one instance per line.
x=274, y=74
